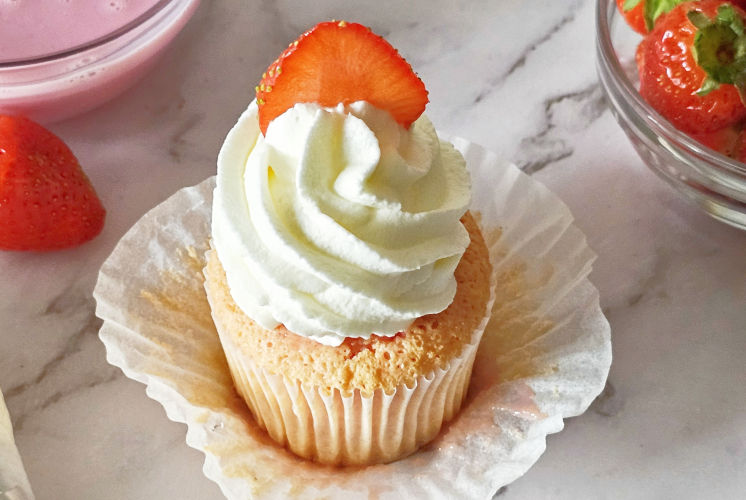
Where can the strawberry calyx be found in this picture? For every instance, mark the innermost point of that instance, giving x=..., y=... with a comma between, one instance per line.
x=630, y=4
x=719, y=48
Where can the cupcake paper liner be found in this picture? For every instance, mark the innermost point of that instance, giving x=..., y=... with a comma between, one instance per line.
x=332, y=427
x=14, y=483
x=544, y=355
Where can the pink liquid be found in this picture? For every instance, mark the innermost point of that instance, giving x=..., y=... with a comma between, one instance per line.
x=34, y=28
x=65, y=86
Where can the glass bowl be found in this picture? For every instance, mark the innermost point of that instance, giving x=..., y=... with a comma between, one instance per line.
x=713, y=181
x=58, y=85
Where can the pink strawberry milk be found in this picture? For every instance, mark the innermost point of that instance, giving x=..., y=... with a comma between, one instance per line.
x=59, y=58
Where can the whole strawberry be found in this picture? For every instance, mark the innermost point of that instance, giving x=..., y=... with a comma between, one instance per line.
x=693, y=63
x=46, y=201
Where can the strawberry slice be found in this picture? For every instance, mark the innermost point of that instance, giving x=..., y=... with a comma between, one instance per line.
x=339, y=62
x=46, y=201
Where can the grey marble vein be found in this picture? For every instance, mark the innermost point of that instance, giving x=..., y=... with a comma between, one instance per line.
x=608, y=403
x=69, y=370
x=503, y=490
x=178, y=141
x=569, y=112
x=520, y=58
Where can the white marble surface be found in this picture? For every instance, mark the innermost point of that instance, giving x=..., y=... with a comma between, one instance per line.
x=514, y=75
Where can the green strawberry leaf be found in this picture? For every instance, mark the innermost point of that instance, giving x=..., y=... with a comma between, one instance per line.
x=630, y=4
x=698, y=19
x=655, y=8
x=720, y=48
x=708, y=85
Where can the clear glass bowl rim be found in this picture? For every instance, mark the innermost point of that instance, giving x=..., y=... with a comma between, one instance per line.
x=649, y=117
x=97, y=42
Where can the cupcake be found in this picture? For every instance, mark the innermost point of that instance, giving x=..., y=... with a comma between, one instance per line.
x=348, y=282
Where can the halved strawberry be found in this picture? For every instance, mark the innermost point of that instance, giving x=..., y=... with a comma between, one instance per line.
x=339, y=62
x=46, y=201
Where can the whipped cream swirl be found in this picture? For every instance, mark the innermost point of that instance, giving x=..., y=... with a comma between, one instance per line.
x=339, y=222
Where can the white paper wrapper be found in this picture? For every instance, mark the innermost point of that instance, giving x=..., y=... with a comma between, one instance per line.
x=14, y=484
x=345, y=428
x=544, y=356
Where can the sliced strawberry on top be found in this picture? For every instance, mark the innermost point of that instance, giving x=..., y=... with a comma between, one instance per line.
x=339, y=62
x=46, y=201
